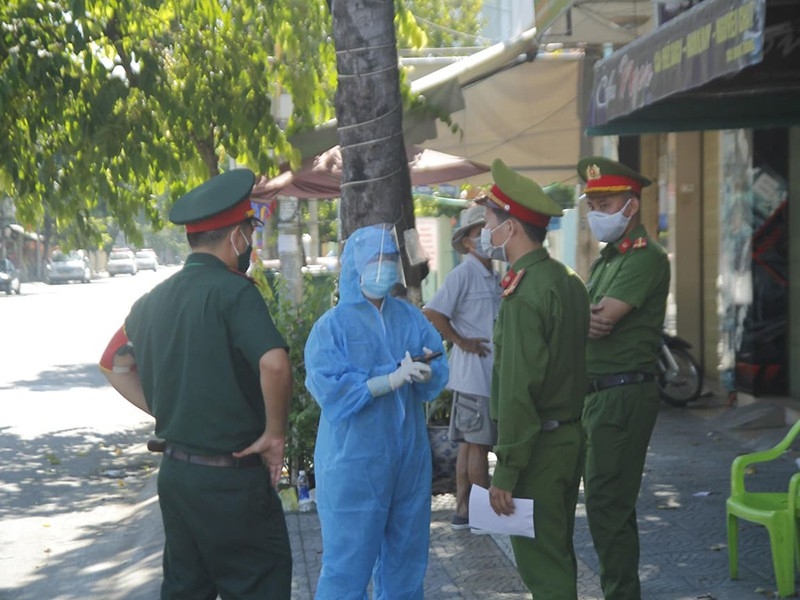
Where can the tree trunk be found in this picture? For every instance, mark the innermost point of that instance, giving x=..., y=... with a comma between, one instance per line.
x=376, y=186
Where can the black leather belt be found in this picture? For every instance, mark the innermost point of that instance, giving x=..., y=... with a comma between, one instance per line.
x=552, y=424
x=608, y=381
x=220, y=460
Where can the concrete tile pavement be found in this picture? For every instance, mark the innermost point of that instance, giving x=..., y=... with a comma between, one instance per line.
x=681, y=514
x=681, y=517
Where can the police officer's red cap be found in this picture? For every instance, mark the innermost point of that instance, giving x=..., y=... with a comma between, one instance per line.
x=520, y=196
x=221, y=201
x=605, y=177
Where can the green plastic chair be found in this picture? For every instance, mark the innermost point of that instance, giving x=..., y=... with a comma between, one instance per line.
x=777, y=511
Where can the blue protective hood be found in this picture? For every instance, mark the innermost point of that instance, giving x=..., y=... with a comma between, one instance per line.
x=363, y=245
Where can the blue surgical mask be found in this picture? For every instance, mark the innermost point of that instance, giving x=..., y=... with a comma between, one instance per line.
x=477, y=247
x=608, y=228
x=492, y=251
x=378, y=278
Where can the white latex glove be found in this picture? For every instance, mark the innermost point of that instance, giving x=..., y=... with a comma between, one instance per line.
x=409, y=371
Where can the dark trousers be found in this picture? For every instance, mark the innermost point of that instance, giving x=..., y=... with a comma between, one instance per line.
x=618, y=423
x=547, y=563
x=225, y=534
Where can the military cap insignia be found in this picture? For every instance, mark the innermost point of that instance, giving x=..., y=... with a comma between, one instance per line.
x=593, y=172
x=511, y=283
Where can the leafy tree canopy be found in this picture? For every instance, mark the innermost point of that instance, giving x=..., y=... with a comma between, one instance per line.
x=119, y=106
x=449, y=23
x=112, y=109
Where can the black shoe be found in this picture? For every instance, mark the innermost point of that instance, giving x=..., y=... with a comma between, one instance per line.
x=458, y=522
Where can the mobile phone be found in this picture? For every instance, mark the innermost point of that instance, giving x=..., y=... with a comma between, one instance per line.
x=426, y=357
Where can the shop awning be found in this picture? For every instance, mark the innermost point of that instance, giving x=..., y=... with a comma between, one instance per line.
x=321, y=176
x=724, y=64
x=526, y=115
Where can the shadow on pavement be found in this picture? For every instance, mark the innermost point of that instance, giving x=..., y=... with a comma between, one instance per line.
x=61, y=377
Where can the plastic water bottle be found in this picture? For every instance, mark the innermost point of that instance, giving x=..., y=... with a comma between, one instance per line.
x=303, y=498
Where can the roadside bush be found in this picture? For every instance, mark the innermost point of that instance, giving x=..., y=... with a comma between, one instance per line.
x=294, y=321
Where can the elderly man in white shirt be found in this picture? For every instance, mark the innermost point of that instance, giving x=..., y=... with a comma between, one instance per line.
x=464, y=310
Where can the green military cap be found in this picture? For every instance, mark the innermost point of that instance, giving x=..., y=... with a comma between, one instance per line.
x=221, y=201
x=604, y=176
x=520, y=196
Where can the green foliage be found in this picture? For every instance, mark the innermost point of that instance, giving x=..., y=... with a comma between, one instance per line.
x=108, y=105
x=294, y=321
x=111, y=109
x=429, y=206
x=449, y=23
x=438, y=411
x=562, y=194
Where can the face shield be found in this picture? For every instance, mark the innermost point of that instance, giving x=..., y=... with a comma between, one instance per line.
x=377, y=258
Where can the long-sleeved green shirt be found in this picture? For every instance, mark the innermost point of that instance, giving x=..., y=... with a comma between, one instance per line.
x=539, y=369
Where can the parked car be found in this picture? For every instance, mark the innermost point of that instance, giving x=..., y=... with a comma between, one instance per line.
x=121, y=260
x=9, y=277
x=64, y=267
x=146, y=259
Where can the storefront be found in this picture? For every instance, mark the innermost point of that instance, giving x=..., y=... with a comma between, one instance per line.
x=713, y=98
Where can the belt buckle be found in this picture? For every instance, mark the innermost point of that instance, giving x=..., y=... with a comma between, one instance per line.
x=550, y=425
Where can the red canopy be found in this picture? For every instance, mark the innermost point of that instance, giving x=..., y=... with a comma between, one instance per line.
x=321, y=176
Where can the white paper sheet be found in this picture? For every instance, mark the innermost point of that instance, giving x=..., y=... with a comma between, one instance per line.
x=483, y=519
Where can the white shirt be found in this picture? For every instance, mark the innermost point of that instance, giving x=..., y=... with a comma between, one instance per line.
x=470, y=298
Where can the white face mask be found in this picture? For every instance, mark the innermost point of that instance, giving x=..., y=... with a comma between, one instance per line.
x=608, y=228
x=492, y=251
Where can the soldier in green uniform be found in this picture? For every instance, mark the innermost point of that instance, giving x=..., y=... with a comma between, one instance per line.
x=538, y=381
x=201, y=354
x=628, y=288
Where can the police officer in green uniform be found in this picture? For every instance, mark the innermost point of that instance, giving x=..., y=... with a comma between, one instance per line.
x=201, y=354
x=628, y=288
x=538, y=381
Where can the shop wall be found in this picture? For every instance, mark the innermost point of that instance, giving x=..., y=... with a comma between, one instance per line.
x=687, y=230
x=648, y=167
x=711, y=186
x=794, y=260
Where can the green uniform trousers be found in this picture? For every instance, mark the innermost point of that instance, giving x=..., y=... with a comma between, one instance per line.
x=547, y=562
x=225, y=534
x=618, y=423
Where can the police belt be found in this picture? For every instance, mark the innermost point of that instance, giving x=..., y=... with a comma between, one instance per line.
x=553, y=424
x=609, y=381
x=219, y=460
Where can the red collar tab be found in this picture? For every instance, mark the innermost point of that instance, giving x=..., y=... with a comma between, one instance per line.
x=512, y=283
x=507, y=279
x=629, y=244
x=515, y=209
x=235, y=214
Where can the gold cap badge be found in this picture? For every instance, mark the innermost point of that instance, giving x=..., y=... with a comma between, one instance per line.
x=592, y=172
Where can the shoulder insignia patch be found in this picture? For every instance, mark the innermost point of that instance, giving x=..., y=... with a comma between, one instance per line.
x=640, y=242
x=509, y=276
x=511, y=287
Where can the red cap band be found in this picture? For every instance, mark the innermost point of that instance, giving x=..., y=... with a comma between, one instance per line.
x=613, y=183
x=235, y=214
x=118, y=340
x=515, y=209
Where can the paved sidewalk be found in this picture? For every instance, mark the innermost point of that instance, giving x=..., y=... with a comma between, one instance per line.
x=681, y=521
x=681, y=514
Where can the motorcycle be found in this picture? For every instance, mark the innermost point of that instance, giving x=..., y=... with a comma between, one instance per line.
x=680, y=377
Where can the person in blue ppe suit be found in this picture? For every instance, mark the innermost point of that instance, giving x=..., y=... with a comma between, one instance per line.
x=373, y=460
